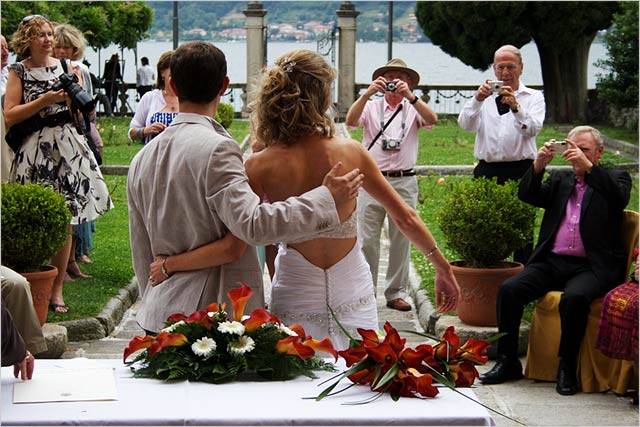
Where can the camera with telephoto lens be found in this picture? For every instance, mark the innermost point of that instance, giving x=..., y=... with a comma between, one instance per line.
x=390, y=86
x=495, y=85
x=79, y=97
x=390, y=144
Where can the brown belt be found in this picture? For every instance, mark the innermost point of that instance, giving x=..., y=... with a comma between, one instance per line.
x=398, y=174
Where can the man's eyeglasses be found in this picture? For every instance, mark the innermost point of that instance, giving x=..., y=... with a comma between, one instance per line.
x=28, y=18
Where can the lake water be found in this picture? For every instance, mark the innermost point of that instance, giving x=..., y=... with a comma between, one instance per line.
x=434, y=65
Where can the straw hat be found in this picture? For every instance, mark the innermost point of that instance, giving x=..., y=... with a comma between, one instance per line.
x=398, y=65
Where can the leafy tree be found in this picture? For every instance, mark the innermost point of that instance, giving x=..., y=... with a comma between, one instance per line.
x=562, y=31
x=620, y=86
x=102, y=23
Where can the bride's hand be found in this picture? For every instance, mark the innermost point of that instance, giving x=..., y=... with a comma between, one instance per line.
x=447, y=291
x=156, y=275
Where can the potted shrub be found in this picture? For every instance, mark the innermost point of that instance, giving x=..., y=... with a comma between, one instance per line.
x=35, y=223
x=484, y=223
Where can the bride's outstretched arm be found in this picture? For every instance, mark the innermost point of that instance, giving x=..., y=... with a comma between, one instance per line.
x=410, y=224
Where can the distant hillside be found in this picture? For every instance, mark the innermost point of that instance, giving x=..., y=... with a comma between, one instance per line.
x=216, y=16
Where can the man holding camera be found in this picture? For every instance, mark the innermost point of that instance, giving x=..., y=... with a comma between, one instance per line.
x=506, y=116
x=390, y=131
x=579, y=250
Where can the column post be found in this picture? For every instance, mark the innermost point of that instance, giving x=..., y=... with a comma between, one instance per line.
x=346, y=56
x=255, y=50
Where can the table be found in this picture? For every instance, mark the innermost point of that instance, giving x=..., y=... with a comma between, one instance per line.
x=153, y=402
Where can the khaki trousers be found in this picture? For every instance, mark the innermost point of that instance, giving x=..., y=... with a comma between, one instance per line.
x=371, y=216
x=16, y=296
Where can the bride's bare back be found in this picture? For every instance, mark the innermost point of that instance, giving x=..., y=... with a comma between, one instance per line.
x=281, y=171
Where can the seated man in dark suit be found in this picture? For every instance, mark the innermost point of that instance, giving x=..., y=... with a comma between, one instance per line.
x=579, y=250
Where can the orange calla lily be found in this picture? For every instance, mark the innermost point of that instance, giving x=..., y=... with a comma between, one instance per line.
x=475, y=350
x=214, y=307
x=137, y=343
x=464, y=374
x=369, y=336
x=325, y=346
x=353, y=355
x=383, y=353
x=298, y=329
x=166, y=339
x=293, y=345
x=393, y=338
x=198, y=317
x=239, y=298
x=258, y=317
x=448, y=347
x=176, y=317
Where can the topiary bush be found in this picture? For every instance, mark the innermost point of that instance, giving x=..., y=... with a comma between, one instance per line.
x=35, y=222
x=224, y=114
x=484, y=222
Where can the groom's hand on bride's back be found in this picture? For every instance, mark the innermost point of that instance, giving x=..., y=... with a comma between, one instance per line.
x=343, y=187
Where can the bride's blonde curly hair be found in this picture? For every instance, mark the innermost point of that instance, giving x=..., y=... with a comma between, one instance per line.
x=294, y=99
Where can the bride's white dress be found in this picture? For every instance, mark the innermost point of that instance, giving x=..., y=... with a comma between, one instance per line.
x=302, y=292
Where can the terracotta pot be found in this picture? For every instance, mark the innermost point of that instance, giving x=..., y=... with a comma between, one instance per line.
x=479, y=291
x=41, y=283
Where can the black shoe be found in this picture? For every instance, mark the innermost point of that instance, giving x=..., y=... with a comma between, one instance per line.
x=505, y=369
x=567, y=384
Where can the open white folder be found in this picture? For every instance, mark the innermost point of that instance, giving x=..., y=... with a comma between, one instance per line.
x=67, y=385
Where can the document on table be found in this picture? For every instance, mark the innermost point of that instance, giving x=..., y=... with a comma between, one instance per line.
x=67, y=385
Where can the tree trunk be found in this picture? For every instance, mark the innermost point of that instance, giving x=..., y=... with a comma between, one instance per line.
x=564, y=75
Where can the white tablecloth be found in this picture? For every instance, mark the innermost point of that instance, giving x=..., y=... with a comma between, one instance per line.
x=153, y=402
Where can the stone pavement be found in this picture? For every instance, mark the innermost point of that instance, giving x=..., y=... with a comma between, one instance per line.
x=531, y=403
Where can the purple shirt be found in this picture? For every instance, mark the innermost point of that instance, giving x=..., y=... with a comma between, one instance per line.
x=568, y=240
x=392, y=160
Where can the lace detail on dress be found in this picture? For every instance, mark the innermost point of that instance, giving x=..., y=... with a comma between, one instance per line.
x=346, y=230
x=325, y=320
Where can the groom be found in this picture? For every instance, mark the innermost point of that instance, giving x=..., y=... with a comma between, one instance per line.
x=188, y=187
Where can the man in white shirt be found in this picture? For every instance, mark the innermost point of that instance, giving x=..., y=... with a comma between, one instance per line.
x=144, y=77
x=506, y=116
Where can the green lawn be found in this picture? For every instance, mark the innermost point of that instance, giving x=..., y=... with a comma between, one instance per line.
x=446, y=144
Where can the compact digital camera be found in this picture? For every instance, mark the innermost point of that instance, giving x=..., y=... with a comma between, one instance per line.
x=390, y=144
x=390, y=86
x=558, y=147
x=495, y=85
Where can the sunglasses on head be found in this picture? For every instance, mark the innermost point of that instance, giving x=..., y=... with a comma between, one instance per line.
x=28, y=18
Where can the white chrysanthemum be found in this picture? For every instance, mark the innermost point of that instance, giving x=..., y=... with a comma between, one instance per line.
x=287, y=330
x=173, y=327
x=231, y=328
x=245, y=317
x=244, y=345
x=211, y=313
x=204, y=346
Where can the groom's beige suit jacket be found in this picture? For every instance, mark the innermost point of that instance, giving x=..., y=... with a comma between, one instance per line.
x=188, y=187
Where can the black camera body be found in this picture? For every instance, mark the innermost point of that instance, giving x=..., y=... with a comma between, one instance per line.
x=390, y=144
x=79, y=97
x=390, y=86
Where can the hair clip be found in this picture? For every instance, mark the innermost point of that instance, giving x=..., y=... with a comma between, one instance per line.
x=287, y=64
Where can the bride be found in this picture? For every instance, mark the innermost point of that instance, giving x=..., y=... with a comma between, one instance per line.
x=328, y=269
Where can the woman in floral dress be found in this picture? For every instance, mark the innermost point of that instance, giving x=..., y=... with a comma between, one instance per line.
x=54, y=154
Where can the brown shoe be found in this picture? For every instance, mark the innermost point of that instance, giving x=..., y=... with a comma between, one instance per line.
x=399, y=304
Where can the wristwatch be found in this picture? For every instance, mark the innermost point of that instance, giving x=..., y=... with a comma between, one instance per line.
x=414, y=100
x=516, y=108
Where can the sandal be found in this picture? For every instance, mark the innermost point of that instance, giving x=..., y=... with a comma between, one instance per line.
x=58, y=308
x=74, y=270
x=84, y=258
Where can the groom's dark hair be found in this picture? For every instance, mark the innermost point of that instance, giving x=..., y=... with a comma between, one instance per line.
x=198, y=70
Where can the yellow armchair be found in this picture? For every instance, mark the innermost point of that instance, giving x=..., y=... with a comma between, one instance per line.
x=596, y=372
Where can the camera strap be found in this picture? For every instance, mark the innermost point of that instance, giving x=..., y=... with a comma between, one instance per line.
x=384, y=125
